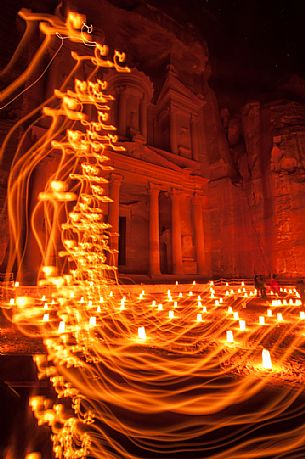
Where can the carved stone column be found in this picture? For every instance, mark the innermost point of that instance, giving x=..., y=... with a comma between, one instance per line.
x=154, y=244
x=173, y=130
x=143, y=114
x=122, y=112
x=176, y=232
x=198, y=232
x=195, y=137
x=114, y=213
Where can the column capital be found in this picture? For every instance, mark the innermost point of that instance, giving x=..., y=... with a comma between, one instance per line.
x=116, y=178
x=152, y=186
x=176, y=191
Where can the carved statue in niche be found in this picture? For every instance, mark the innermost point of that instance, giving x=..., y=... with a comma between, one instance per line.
x=165, y=251
x=184, y=142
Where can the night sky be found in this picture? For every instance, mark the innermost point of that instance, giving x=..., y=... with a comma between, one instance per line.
x=255, y=45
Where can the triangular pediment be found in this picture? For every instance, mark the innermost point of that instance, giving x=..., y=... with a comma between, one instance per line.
x=149, y=155
x=173, y=89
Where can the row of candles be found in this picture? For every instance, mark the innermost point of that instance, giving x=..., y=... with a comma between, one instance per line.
x=210, y=292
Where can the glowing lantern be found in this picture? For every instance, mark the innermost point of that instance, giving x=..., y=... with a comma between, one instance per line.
x=242, y=325
x=177, y=282
x=61, y=327
x=45, y=317
x=141, y=333
x=269, y=312
x=199, y=304
x=266, y=360
x=98, y=309
x=171, y=314
x=175, y=304
x=122, y=302
x=190, y=293
x=229, y=335
x=235, y=316
x=160, y=307
x=302, y=315
x=216, y=302
x=204, y=309
x=92, y=321
x=230, y=310
x=12, y=301
x=16, y=284
x=154, y=303
x=262, y=320
x=199, y=317
x=279, y=317
x=180, y=295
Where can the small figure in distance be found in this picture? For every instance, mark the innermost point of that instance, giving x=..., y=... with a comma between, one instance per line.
x=263, y=286
x=300, y=287
x=274, y=284
x=260, y=285
x=257, y=284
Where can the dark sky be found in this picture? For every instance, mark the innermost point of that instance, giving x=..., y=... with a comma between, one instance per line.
x=254, y=44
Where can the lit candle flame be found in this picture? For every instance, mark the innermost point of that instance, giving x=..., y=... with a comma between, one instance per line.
x=266, y=360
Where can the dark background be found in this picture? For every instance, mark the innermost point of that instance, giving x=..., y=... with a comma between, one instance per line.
x=255, y=46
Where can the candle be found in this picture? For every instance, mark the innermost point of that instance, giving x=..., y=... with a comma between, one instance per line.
x=61, y=327
x=262, y=320
x=266, y=360
x=92, y=321
x=230, y=338
x=142, y=333
x=279, y=316
x=242, y=325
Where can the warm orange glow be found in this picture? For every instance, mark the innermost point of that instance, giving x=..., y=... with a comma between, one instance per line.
x=266, y=360
x=110, y=347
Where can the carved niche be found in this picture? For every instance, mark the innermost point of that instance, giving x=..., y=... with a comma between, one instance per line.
x=178, y=118
x=133, y=93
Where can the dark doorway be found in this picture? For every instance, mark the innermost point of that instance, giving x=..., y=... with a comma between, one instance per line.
x=122, y=241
